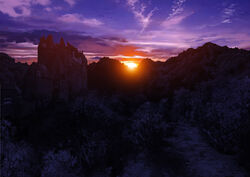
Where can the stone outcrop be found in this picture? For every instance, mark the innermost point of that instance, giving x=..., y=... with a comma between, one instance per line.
x=60, y=73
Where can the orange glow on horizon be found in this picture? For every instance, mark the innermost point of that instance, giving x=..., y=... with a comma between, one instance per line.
x=130, y=64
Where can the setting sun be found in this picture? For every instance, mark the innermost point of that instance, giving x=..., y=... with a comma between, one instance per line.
x=131, y=65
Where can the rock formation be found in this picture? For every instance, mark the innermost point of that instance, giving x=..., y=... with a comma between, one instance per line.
x=59, y=74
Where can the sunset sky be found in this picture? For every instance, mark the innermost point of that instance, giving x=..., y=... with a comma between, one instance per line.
x=125, y=29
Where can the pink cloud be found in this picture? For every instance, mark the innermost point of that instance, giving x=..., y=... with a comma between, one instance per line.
x=177, y=14
x=77, y=18
x=70, y=2
x=25, y=52
x=8, y=7
x=138, y=9
x=228, y=14
x=17, y=8
x=177, y=7
x=42, y=2
x=175, y=20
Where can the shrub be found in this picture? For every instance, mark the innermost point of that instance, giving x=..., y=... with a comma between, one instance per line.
x=227, y=115
x=138, y=168
x=60, y=164
x=148, y=128
x=17, y=158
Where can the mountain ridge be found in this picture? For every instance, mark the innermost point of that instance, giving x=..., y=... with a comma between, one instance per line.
x=123, y=113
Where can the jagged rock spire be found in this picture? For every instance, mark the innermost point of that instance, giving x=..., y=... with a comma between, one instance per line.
x=65, y=67
x=42, y=39
x=50, y=41
x=62, y=43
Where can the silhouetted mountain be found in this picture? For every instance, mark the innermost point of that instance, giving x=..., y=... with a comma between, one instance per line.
x=106, y=75
x=150, y=121
x=111, y=76
x=193, y=66
x=11, y=72
x=60, y=72
x=208, y=62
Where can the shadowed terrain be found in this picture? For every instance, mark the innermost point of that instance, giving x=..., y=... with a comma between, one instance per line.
x=187, y=116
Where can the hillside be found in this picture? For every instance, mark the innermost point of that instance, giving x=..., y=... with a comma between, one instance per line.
x=188, y=116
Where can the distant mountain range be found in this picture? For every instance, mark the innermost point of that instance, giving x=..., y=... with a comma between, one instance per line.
x=206, y=63
x=59, y=75
x=62, y=117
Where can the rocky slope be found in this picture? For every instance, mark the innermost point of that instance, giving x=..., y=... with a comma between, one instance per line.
x=203, y=91
x=207, y=62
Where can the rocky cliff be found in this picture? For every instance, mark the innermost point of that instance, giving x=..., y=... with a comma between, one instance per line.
x=60, y=72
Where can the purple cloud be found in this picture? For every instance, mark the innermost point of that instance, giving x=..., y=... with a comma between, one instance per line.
x=17, y=8
x=177, y=14
x=228, y=14
x=138, y=9
x=77, y=18
x=71, y=2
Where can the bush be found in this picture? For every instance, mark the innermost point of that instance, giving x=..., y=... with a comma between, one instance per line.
x=138, y=168
x=92, y=148
x=227, y=115
x=60, y=164
x=148, y=128
x=17, y=158
x=182, y=108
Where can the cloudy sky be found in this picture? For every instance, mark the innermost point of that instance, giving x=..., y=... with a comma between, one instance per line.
x=123, y=28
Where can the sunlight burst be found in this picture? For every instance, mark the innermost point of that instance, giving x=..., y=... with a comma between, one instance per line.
x=131, y=65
